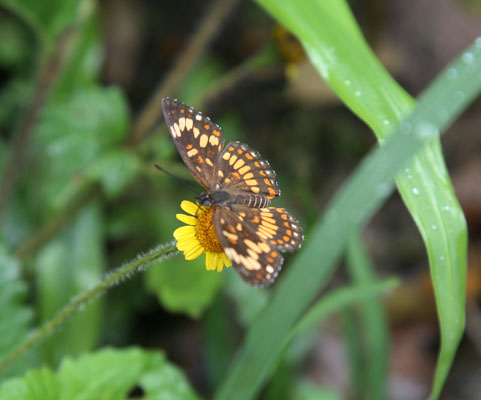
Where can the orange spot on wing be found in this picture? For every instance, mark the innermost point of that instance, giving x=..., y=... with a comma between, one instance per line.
x=262, y=173
x=236, y=174
x=289, y=232
x=206, y=127
x=256, y=220
x=267, y=182
x=284, y=216
x=182, y=111
x=273, y=242
x=200, y=159
x=216, y=132
x=274, y=253
x=189, y=146
x=271, y=260
x=231, y=148
x=285, y=238
x=271, y=191
x=249, y=157
x=286, y=224
x=257, y=164
x=240, y=151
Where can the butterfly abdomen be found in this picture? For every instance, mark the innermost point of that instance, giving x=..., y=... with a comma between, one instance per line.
x=223, y=197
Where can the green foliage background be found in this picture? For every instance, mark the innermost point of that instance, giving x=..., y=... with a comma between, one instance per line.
x=80, y=169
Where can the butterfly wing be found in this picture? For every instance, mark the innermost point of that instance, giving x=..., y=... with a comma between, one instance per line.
x=198, y=140
x=243, y=170
x=252, y=239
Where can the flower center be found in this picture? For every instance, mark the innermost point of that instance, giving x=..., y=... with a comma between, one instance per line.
x=205, y=232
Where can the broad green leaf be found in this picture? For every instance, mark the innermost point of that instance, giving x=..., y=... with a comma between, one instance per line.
x=336, y=47
x=73, y=132
x=83, y=64
x=68, y=265
x=351, y=207
x=108, y=374
x=114, y=170
x=15, y=316
x=47, y=18
x=183, y=286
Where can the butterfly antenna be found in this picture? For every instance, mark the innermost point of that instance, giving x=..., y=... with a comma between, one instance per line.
x=177, y=179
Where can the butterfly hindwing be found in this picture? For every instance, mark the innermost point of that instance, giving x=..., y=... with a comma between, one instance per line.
x=252, y=239
x=198, y=140
x=279, y=228
x=243, y=170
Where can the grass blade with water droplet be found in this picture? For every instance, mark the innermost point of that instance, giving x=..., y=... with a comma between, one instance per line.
x=361, y=196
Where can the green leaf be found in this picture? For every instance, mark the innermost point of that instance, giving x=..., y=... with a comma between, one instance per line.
x=65, y=267
x=114, y=170
x=15, y=316
x=183, y=286
x=338, y=50
x=74, y=132
x=47, y=18
x=109, y=374
x=82, y=68
x=356, y=201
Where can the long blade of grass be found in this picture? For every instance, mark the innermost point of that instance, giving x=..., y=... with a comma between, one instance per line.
x=362, y=194
x=337, y=48
x=374, y=331
x=338, y=300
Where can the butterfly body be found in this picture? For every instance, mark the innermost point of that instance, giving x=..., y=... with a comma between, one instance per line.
x=239, y=185
x=225, y=198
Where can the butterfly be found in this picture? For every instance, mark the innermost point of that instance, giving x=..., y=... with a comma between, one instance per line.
x=239, y=184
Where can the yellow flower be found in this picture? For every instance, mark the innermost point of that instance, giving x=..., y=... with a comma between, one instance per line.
x=199, y=236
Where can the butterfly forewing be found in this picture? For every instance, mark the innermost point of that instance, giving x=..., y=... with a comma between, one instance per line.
x=198, y=140
x=242, y=169
x=252, y=238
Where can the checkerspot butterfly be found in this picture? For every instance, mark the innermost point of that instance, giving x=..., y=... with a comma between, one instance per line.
x=239, y=185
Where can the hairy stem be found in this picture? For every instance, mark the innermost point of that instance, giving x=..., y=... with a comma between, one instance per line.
x=111, y=279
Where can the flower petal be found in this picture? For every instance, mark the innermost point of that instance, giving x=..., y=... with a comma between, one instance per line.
x=186, y=219
x=220, y=263
x=184, y=232
x=193, y=253
x=226, y=260
x=187, y=244
x=189, y=207
x=210, y=261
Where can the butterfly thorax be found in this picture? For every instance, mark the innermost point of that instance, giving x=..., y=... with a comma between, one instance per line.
x=224, y=197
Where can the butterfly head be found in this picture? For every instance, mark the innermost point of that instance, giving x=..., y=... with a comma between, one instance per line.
x=205, y=199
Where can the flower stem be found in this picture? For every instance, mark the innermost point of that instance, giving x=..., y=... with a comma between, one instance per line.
x=111, y=279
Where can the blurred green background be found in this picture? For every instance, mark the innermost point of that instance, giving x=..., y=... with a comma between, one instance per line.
x=80, y=194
